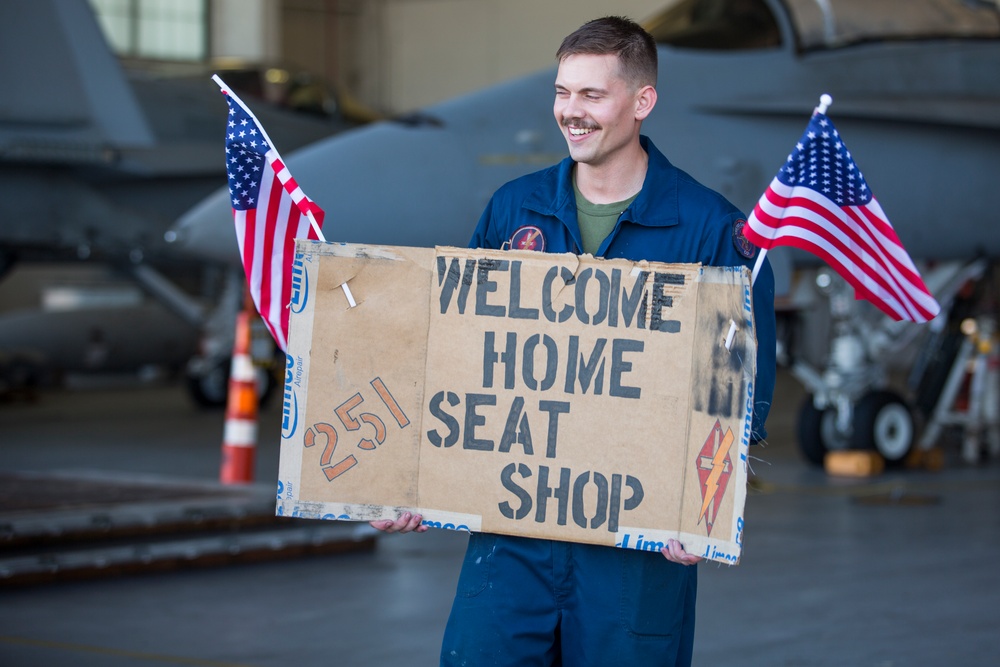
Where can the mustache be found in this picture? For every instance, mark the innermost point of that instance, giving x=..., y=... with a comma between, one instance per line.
x=579, y=123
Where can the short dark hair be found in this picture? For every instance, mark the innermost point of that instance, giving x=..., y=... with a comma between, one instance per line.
x=623, y=37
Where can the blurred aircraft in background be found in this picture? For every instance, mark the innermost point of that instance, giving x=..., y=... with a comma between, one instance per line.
x=96, y=162
x=916, y=95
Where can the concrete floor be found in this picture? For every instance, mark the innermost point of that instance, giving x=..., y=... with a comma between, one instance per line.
x=896, y=570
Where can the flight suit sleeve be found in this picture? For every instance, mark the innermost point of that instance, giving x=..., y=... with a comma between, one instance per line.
x=487, y=234
x=764, y=322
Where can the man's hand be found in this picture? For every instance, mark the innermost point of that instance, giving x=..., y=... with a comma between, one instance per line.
x=674, y=552
x=406, y=523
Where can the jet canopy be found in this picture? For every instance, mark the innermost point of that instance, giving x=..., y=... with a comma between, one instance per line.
x=820, y=24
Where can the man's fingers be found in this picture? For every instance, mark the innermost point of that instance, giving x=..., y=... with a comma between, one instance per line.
x=406, y=523
x=413, y=523
x=674, y=552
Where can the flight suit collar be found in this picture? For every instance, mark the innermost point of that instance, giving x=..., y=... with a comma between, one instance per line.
x=656, y=205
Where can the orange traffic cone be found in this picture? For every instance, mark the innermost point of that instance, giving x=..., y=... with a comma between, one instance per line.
x=239, y=441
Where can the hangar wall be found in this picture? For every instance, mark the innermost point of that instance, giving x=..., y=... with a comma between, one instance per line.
x=393, y=56
x=398, y=55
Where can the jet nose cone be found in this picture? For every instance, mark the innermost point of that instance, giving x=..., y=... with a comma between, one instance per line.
x=391, y=184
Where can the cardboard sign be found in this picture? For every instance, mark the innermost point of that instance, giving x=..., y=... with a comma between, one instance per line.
x=524, y=393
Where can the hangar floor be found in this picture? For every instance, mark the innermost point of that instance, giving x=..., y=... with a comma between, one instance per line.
x=895, y=570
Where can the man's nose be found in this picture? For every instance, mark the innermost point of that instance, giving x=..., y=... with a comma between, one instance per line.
x=571, y=108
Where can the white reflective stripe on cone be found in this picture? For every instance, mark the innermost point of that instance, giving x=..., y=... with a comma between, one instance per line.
x=242, y=368
x=240, y=433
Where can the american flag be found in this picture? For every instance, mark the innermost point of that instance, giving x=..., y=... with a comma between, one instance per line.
x=270, y=212
x=820, y=202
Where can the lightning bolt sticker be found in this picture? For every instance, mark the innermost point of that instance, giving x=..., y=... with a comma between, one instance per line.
x=714, y=469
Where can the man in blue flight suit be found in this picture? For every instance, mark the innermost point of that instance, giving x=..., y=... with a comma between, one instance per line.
x=523, y=601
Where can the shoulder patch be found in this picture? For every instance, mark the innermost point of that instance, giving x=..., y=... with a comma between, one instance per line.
x=742, y=243
x=528, y=237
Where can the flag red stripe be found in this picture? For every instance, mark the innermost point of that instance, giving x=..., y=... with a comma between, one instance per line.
x=266, y=304
x=292, y=231
x=245, y=234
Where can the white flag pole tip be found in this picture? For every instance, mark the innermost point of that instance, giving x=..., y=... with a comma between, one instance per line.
x=220, y=83
x=824, y=103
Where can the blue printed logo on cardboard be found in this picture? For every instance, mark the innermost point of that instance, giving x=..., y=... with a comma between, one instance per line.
x=300, y=286
x=290, y=401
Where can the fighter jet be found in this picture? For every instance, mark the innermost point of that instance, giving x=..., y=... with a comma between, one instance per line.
x=916, y=94
x=96, y=162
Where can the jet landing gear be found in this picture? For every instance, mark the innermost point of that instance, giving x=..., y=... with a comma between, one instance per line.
x=880, y=421
x=850, y=405
x=208, y=372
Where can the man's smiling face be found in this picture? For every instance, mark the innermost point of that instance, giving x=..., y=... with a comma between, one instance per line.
x=595, y=107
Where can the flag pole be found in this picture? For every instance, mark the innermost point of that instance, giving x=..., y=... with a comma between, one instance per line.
x=824, y=103
x=756, y=267
x=315, y=226
x=228, y=91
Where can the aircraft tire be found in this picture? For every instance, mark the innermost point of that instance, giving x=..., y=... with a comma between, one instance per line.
x=211, y=389
x=884, y=422
x=811, y=428
x=817, y=432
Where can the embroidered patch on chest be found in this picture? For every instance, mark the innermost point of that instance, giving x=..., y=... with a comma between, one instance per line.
x=742, y=243
x=528, y=237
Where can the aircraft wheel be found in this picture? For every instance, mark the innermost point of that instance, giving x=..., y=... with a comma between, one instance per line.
x=883, y=422
x=7, y=261
x=211, y=389
x=267, y=383
x=817, y=432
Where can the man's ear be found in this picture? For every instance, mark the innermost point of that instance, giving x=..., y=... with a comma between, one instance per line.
x=645, y=100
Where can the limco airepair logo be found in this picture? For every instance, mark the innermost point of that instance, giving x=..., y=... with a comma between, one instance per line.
x=300, y=286
x=290, y=401
x=714, y=470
